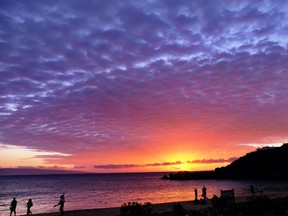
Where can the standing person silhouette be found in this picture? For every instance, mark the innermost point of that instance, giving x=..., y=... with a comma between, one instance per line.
x=13, y=206
x=61, y=204
x=196, y=194
x=204, y=193
x=29, y=205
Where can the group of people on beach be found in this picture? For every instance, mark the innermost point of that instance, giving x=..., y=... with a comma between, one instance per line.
x=13, y=206
x=29, y=205
x=253, y=190
x=204, y=194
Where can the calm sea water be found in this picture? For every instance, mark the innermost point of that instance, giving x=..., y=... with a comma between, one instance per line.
x=109, y=190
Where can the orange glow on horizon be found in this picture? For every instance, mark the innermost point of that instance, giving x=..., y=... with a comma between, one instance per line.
x=166, y=156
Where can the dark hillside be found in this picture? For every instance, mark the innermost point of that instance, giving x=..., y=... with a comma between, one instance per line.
x=268, y=163
x=265, y=163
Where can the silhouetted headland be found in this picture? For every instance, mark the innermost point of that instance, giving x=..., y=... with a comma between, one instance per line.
x=267, y=163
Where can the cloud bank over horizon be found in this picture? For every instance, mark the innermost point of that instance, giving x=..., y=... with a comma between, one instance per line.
x=124, y=166
x=91, y=78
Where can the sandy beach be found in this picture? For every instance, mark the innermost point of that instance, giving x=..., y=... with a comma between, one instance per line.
x=156, y=208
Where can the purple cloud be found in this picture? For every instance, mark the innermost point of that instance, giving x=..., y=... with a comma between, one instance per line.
x=127, y=166
x=100, y=75
x=208, y=161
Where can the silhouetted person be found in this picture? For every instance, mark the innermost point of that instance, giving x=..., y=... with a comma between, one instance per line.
x=196, y=194
x=13, y=206
x=29, y=205
x=204, y=192
x=61, y=204
x=252, y=190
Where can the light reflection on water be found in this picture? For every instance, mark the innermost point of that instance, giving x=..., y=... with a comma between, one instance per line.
x=110, y=190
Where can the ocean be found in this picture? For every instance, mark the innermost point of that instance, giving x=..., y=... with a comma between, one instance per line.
x=87, y=191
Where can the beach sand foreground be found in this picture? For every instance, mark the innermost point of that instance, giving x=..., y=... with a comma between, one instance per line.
x=156, y=208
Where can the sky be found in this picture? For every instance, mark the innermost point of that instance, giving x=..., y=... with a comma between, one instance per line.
x=133, y=86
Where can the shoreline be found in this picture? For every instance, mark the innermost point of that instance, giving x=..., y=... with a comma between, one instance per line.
x=159, y=207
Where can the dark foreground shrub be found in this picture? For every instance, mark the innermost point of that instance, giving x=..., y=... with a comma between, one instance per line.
x=136, y=209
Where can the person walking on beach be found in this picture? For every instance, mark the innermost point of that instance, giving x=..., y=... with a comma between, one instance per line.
x=61, y=204
x=29, y=205
x=13, y=206
x=204, y=193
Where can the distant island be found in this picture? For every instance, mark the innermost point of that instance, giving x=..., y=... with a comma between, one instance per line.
x=267, y=163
